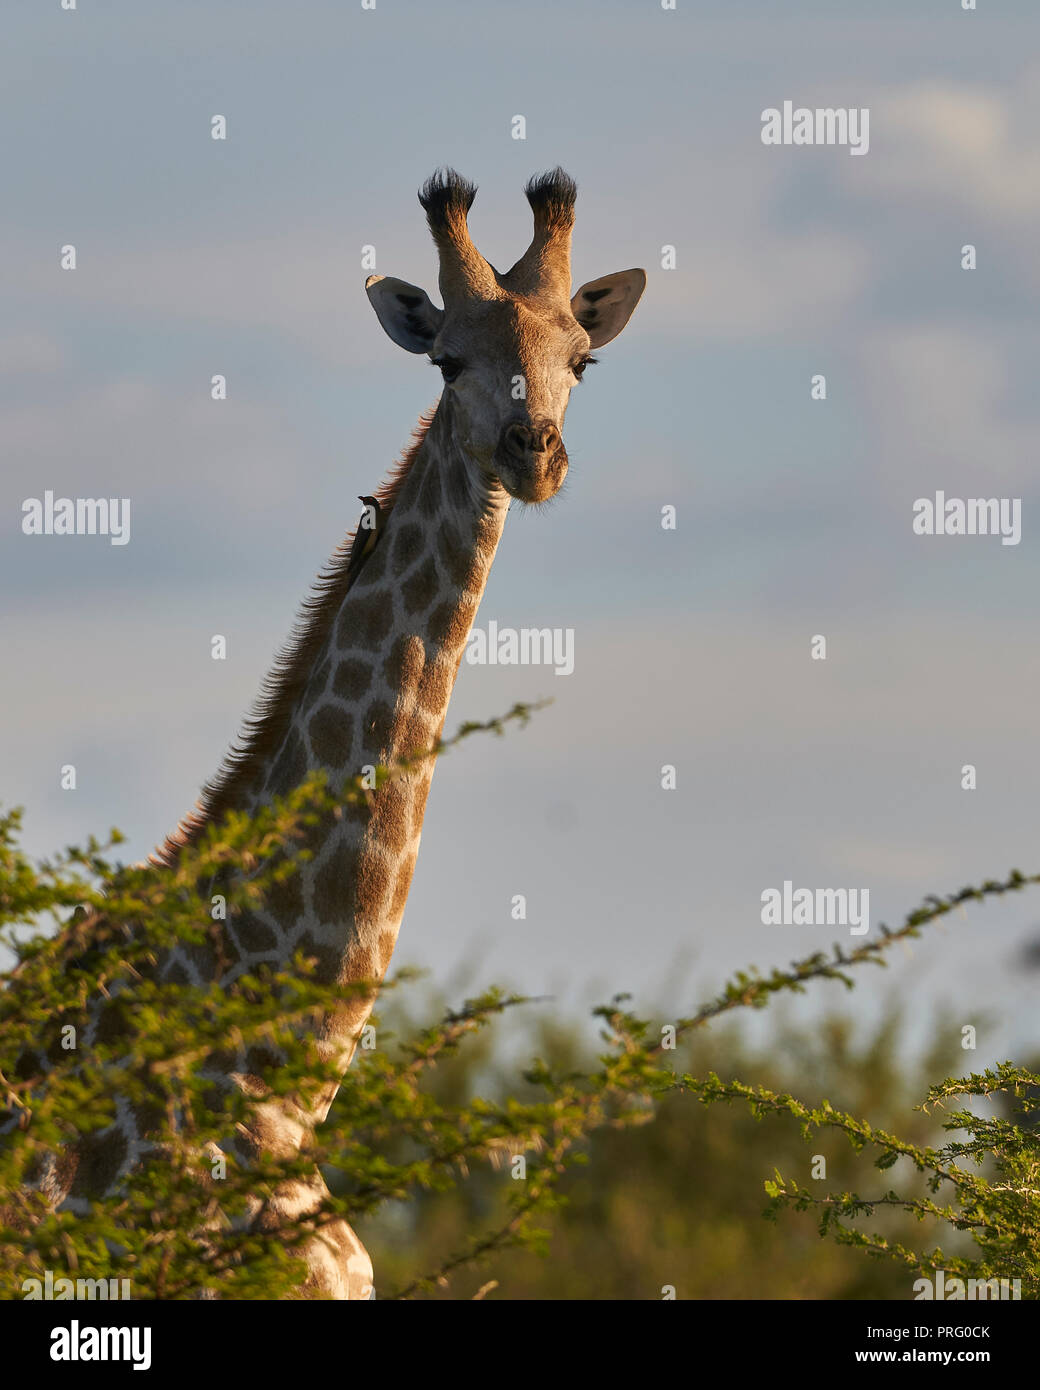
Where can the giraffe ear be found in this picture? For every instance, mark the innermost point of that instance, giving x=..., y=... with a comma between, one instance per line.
x=604, y=306
x=405, y=311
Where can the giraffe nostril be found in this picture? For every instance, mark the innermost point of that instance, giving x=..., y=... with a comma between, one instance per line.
x=523, y=440
x=519, y=440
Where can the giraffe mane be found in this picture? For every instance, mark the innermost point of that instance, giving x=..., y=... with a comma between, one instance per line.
x=265, y=726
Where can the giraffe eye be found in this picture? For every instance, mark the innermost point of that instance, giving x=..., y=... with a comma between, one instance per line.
x=578, y=368
x=450, y=367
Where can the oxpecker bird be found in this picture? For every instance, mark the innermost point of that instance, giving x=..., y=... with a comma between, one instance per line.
x=366, y=536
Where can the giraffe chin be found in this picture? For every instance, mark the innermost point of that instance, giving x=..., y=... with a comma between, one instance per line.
x=535, y=480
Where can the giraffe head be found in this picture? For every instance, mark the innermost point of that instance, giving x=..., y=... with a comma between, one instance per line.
x=511, y=347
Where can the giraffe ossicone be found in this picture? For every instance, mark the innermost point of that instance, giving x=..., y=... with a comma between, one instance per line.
x=369, y=672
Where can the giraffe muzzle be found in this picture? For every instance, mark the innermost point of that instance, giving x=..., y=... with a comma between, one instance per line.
x=530, y=460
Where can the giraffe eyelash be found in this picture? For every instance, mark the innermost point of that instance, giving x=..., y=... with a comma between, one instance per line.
x=449, y=366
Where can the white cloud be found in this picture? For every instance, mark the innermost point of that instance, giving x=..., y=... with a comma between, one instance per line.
x=941, y=405
x=963, y=143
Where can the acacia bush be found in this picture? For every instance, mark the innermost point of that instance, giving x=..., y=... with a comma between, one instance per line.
x=445, y=1184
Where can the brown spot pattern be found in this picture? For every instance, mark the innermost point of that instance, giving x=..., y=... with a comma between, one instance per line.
x=391, y=821
x=450, y=623
x=334, y=887
x=285, y=899
x=114, y=1022
x=408, y=546
x=458, y=561
x=401, y=886
x=379, y=718
x=373, y=884
x=203, y=958
x=148, y=1116
x=404, y=666
x=328, y=958
x=331, y=732
x=261, y=1058
x=352, y=679
x=254, y=935
x=373, y=569
x=416, y=735
x=419, y=795
x=387, y=942
x=365, y=621
x=435, y=686
x=100, y=1158
x=420, y=591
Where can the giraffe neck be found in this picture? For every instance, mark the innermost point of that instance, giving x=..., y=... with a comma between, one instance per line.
x=378, y=692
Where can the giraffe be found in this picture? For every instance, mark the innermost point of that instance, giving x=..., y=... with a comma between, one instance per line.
x=368, y=674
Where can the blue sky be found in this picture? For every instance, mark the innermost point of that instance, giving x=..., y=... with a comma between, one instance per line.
x=692, y=647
